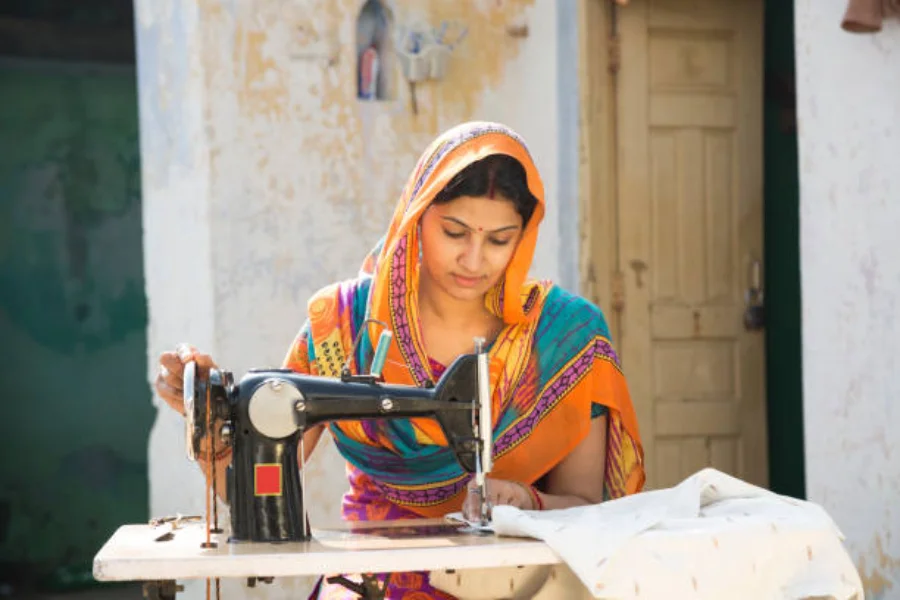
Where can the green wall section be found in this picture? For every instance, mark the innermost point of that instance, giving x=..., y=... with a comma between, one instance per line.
x=76, y=403
x=782, y=262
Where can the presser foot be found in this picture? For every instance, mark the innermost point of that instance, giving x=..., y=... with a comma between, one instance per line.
x=369, y=589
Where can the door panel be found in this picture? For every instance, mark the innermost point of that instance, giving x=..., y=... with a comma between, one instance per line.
x=690, y=224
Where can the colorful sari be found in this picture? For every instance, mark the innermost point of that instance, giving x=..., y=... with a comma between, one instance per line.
x=552, y=367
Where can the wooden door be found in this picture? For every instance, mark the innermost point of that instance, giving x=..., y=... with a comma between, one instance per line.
x=689, y=104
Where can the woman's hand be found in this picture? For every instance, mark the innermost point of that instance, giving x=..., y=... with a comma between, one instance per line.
x=170, y=379
x=500, y=492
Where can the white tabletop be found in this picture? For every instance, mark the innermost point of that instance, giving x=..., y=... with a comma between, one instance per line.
x=132, y=554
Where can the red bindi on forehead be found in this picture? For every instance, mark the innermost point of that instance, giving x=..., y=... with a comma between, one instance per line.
x=495, y=217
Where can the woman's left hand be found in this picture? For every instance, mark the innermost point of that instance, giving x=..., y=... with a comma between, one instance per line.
x=499, y=492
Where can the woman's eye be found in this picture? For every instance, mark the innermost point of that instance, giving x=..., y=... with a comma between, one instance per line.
x=454, y=234
x=497, y=242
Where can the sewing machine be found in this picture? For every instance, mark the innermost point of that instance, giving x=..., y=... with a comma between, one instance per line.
x=264, y=416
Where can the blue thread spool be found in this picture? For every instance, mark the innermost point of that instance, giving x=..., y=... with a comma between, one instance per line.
x=384, y=341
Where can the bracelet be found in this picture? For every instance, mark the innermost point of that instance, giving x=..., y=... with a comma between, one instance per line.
x=536, y=498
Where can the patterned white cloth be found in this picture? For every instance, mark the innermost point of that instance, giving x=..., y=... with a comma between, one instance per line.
x=711, y=536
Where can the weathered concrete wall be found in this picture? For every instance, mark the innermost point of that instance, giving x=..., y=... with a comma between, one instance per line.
x=849, y=118
x=265, y=177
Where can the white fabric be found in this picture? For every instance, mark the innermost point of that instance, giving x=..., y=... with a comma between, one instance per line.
x=711, y=536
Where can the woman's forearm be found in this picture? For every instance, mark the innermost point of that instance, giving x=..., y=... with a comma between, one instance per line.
x=310, y=439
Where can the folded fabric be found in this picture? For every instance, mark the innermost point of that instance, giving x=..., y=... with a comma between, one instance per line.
x=711, y=536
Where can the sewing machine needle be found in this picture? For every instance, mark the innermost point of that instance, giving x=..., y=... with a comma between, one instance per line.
x=303, y=485
x=484, y=454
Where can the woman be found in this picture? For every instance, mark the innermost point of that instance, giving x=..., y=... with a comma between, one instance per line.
x=452, y=267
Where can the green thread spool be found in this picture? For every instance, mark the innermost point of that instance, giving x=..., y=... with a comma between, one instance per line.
x=384, y=341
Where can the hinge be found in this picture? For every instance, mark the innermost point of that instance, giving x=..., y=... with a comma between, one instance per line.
x=618, y=292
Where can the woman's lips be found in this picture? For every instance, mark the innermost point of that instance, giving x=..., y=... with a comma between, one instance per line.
x=466, y=282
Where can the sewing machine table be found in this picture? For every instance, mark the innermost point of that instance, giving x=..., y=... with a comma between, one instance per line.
x=132, y=554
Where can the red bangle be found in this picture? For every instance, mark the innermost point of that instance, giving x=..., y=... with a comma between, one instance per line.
x=536, y=498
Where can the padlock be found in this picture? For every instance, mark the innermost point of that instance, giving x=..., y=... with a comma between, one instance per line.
x=755, y=311
x=755, y=317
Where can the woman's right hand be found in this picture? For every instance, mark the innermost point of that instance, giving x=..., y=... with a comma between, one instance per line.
x=170, y=376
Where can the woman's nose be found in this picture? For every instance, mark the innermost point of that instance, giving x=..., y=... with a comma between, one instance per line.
x=472, y=257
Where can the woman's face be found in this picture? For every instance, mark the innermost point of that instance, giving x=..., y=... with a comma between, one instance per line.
x=468, y=242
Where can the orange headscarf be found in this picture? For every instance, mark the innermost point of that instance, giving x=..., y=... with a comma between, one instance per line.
x=449, y=154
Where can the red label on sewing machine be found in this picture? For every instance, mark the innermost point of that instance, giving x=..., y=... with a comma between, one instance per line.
x=267, y=479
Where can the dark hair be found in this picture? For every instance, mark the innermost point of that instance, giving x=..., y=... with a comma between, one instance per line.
x=494, y=174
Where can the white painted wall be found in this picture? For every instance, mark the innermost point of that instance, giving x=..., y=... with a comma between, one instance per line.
x=264, y=179
x=849, y=120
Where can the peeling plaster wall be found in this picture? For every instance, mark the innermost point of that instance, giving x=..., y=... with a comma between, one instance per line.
x=849, y=116
x=264, y=178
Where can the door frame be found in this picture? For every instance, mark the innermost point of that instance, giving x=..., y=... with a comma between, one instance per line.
x=598, y=168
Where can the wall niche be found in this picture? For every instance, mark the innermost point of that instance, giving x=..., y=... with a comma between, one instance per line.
x=375, y=55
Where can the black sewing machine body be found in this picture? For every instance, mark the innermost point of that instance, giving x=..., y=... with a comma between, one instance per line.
x=264, y=416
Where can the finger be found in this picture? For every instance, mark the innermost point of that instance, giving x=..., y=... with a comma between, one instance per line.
x=497, y=492
x=186, y=353
x=504, y=501
x=204, y=364
x=504, y=494
x=173, y=381
x=172, y=363
x=170, y=396
x=205, y=361
x=468, y=509
x=169, y=387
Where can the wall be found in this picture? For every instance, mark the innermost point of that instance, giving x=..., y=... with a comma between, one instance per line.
x=264, y=178
x=72, y=315
x=849, y=118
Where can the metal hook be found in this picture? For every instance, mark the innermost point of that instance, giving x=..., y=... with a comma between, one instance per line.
x=345, y=368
